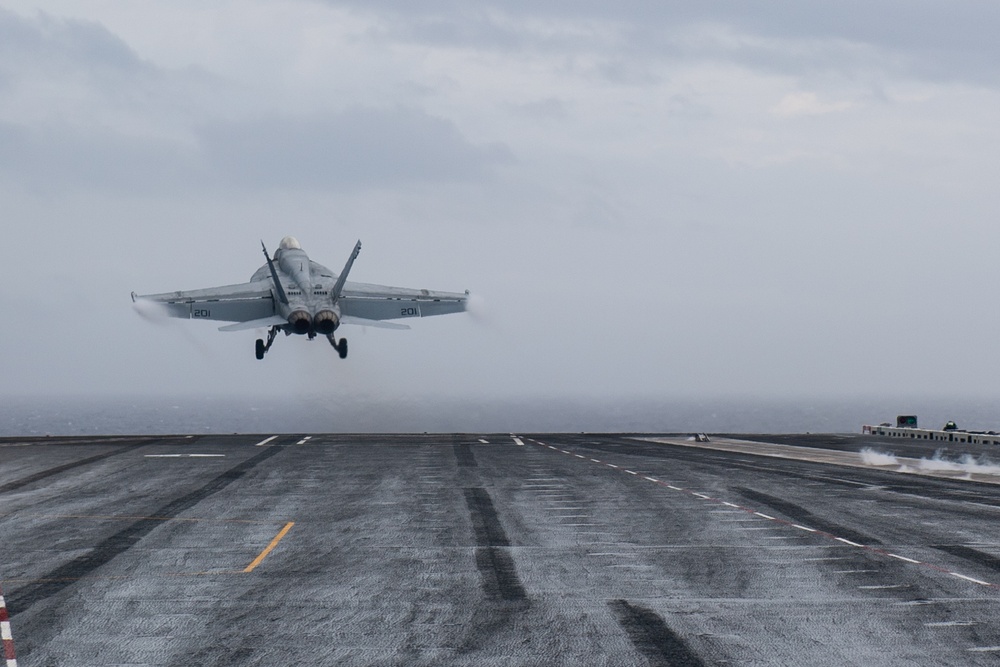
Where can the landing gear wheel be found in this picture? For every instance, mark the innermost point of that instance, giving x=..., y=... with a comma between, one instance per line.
x=342, y=348
x=261, y=349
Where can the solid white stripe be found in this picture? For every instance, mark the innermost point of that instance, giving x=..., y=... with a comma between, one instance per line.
x=5, y=631
x=764, y=515
x=265, y=441
x=975, y=581
x=811, y=530
x=841, y=539
x=908, y=560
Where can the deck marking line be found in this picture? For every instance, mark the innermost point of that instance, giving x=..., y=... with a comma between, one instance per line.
x=579, y=456
x=265, y=441
x=975, y=581
x=784, y=522
x=903, y=558
x=517, y=441
x=270, y=547
x=983, y=649
x=853, y=544
x=485, y=442
x=950, y=624
x=5, y=634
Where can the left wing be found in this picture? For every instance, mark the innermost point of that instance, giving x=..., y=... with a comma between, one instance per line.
x=231, y=303
x=364, y=301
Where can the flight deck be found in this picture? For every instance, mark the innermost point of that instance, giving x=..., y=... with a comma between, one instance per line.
x=490, y=549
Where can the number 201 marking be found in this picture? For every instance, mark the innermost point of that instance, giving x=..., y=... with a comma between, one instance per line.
x=201, y=312
x=409, y=312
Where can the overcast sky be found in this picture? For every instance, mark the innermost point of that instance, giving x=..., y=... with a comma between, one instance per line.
x=652, y=199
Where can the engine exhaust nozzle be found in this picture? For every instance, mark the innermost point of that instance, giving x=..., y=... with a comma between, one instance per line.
x=325, y=321
x=300, y=321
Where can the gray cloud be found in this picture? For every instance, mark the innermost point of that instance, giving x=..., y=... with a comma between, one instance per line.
x=358, y=147
x=950, y=41
x=47, y=41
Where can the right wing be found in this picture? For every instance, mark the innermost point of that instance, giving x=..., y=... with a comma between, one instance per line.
x=231, y=303
x=380, y=302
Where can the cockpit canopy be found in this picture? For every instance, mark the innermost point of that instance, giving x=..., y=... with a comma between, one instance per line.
x=289, y=243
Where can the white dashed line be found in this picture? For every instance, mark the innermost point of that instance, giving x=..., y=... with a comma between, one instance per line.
x=983, y=649
x=303, y=440
x=784, y=523
x=485, y=442
x=950, y=624
x=848, y=542
x=904, y=558
x=975, y=581
x=265, y=441
x=517, y=441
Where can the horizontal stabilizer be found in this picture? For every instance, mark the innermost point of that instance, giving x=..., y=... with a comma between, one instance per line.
x=377, y=324
x=255, y=324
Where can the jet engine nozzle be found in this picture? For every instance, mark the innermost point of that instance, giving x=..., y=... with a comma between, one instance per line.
x=325, y=321
x=300, y=321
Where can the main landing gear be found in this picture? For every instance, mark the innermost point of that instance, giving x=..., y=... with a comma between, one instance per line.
x=341, y=347
x=263, y=347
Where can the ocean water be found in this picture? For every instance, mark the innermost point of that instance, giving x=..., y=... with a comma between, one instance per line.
x=62, y=415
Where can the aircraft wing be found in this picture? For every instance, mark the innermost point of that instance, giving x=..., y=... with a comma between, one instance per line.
x=362, y=301
x=230, y=303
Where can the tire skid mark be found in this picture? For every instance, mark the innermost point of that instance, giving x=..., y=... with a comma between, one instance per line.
x=652, y=637
x=493, y=560
x=69, y=573
x=981, y=558
x=815, y=531
x=804, y=517
x=464, y=455
x=38, y=476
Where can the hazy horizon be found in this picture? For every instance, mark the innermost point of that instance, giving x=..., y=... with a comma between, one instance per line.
x=646, y=200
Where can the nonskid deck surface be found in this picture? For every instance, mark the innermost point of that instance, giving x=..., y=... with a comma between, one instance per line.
x=486, y=549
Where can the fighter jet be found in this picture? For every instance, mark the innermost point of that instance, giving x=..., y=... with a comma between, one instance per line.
x=294, y=294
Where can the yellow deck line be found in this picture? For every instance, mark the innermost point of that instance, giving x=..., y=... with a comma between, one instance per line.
x=263, y=554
